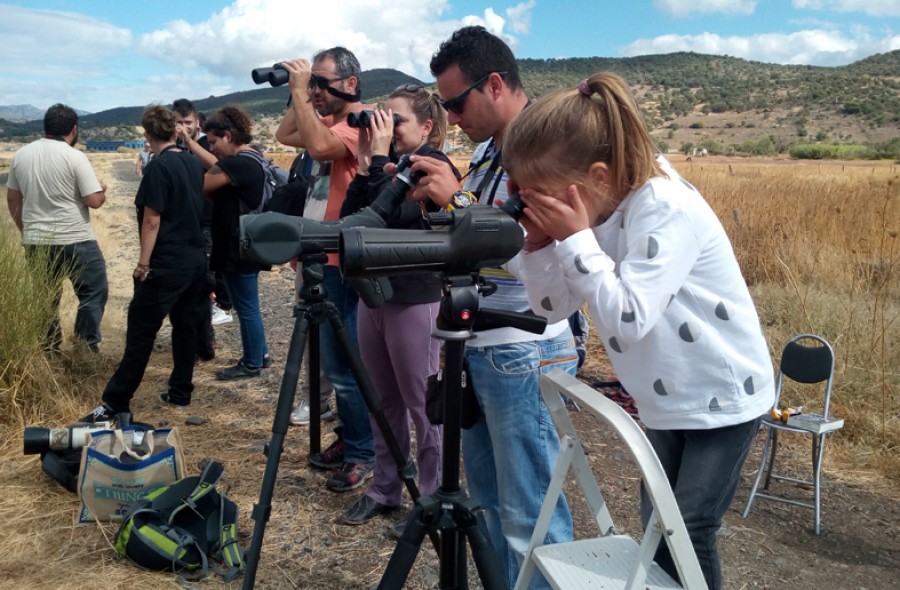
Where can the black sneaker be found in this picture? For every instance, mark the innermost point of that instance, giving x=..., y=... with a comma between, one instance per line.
x=206, y=355
x=350, y=477
x=238, y=371
x=102, y=413
x=167, y=398
x=267, y=361
x=364, y=510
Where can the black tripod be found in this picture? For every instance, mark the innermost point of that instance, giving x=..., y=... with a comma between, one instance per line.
x=312, y=309
x=449, y=510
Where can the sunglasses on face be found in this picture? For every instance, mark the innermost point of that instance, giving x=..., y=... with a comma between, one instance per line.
x=458, y=103
x=322, y=82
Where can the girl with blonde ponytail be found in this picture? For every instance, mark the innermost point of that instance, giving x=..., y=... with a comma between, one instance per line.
x=611, y=223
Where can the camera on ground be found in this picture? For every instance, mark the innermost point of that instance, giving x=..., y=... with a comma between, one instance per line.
x=40, y=440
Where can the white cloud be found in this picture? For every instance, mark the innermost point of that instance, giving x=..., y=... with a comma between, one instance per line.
x=870, y=7
x=401, y=34
x=520, y=17
x=682, y=8
x=810, y=47
x=51, y=56
x=53, y=46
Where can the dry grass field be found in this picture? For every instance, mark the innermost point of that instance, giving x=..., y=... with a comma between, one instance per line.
x=817, y=242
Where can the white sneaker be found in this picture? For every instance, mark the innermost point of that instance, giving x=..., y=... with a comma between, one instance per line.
x=300, y=415
x=220, y=316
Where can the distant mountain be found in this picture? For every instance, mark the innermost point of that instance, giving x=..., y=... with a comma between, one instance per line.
x=717, y=102
x=119, y=123
x=20, y=113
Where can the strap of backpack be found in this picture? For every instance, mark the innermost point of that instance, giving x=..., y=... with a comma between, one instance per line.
x=183, y=541
x=178, y=497
x=228, y=550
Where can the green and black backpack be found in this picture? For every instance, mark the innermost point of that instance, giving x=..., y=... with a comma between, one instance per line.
x=183, y=527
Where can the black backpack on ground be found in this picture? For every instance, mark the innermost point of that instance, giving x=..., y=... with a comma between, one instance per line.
x=183, y=527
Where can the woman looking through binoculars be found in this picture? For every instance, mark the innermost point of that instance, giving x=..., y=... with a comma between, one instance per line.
x=395, y=340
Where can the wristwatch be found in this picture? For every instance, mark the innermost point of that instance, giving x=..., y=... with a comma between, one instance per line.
x=461, y=200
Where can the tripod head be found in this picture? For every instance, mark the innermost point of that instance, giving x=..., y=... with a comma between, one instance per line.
x=461, y=308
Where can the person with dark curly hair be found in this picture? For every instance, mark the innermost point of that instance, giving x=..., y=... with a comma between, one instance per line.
x=235, y=185
x=169, y=278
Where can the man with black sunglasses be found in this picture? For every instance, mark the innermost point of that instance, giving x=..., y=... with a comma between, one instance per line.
x=510, y=452
x=322, y=95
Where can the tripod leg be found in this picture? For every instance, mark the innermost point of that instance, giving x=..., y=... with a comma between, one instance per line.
x=483, y=554
x=401, y=562
x=263, y=508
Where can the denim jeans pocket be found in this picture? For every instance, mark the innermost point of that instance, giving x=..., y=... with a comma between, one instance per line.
x=514, y=359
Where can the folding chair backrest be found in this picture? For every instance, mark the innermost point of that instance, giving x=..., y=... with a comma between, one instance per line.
x=808, y=359
x=666, y=524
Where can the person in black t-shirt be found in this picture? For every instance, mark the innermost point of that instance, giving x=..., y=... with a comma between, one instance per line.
x=169, y=278
x=235, y=185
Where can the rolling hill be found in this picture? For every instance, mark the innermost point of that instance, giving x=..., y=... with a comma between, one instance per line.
x=717, y=102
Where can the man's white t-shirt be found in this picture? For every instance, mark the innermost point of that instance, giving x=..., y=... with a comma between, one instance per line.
x=53, y=178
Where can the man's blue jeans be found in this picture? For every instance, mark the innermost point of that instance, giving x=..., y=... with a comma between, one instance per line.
x=351, y=406
x=244, y=290
x=510, y=452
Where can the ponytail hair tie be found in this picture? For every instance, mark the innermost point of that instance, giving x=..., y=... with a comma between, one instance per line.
x=584, y=88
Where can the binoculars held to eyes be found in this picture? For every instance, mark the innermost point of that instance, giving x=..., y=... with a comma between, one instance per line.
x=363, y=119
x=275, y=76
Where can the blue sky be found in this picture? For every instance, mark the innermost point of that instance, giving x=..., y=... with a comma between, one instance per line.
x=100, y=54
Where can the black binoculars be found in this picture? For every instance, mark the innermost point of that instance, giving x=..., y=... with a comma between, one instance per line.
x=275, y=76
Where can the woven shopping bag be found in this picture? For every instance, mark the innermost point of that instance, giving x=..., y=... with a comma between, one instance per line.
x=119, y=467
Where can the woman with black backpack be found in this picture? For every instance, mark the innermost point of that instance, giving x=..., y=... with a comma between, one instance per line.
x=235, y=182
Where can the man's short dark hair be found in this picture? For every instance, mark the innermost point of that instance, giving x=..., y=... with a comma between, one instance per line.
x=345, y=63
x=184, y=107
x=477, y=53
x=59, y=120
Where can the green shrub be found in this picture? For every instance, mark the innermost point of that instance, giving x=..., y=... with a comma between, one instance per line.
x=26, y=306
x=830, y=151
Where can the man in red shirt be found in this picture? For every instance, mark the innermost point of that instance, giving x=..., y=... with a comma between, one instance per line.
x=322, y=95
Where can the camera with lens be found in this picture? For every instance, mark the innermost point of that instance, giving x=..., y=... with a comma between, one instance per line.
x=363, y=119
x=275, y=76
x=40, y=440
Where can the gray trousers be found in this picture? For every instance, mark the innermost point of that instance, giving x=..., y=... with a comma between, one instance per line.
x=83, y=264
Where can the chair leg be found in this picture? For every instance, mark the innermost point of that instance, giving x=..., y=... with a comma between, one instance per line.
x=818, y=451
x=759, y=472
x=773, y=434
